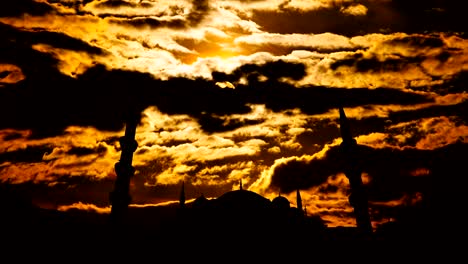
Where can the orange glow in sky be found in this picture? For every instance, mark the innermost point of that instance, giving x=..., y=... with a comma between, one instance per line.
x=229, y=91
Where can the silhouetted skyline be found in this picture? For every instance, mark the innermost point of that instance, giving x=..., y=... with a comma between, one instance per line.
x=230, y=92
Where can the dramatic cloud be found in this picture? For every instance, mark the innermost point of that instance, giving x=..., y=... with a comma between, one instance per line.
x=10, y=74
x=347, y=18
x=21, y=7
x=398, y=177
x=230, y=91
x=86, y=207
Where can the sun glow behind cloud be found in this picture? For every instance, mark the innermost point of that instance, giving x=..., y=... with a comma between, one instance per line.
x=234, y=44
x=223, y=38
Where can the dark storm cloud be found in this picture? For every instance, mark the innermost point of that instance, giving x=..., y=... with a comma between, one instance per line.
x=83, y=151
x=316, y=21
x=317, y=100
x=297, y=174
x=102, y=98
x=280, y=96
x=12, y=136
x=398, y=62
x=337, y=213
x=391, y=172
x=197, y=13
x=319, y=132
x=459, y=110
x=55, y=39
x=29, y=154
x=382, y=16
x=16, y=48
x=417, y=41
x=141, y=22
x=272, y=70
x=121, y=3
x=77, y=5
x=279, y=50
x=20, y=7
x=99, y=97
x=217, y=124
x=4, y=74
x=325, y=130
x=457, y=84
x=432, y=15
x=361, y=64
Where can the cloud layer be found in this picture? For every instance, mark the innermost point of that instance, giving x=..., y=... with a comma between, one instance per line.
x=234, y=90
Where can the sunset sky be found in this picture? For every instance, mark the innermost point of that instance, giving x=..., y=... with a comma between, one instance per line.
x=234, y=91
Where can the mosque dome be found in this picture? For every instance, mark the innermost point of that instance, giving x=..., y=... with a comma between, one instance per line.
x=281, y=202
x=200, y=201
x=242, y=210
x=242, y=200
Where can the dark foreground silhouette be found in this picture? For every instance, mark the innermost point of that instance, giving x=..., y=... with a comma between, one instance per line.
x=237, y=223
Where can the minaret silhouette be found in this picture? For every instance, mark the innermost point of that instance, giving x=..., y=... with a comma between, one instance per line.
x=120, y=196
x=240, y=184
x=182, y=195
x=299, y=200
x=358, y=197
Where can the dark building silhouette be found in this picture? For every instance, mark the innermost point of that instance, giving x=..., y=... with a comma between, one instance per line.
x=246, y=212
x=243, y=211
x=358, y=197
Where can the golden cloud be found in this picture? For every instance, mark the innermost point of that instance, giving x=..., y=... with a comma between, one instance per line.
x=71, y=63
x=18, y=173
x=267, y=41
x=354, y=10
x=233, y=40
x=223, y=41
x=333, y=207
x=85, y=207
x=62, y=161
x=173, y=175
x=10, y=73
x=441, y=131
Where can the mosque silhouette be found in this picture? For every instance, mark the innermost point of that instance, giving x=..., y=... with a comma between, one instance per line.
x=241, y=211
x=216, y=223
x=244, y=211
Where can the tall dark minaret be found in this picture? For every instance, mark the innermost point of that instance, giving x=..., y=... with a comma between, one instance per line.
x=352, y=170
x=120, y=197
x=299, y=201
